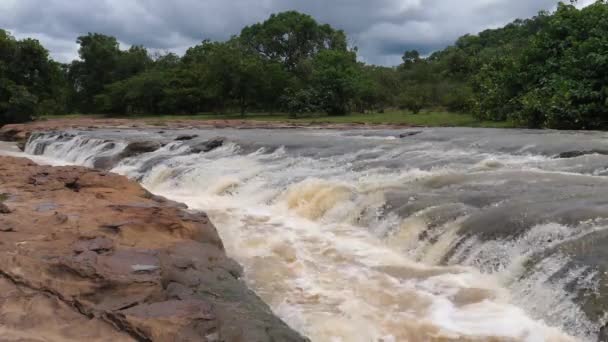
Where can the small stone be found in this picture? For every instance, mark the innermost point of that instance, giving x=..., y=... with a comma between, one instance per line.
x=98, y=245
x=4, y=209
x=144, y=268
x=114, y=227
x=213, y=337
x=61, y=218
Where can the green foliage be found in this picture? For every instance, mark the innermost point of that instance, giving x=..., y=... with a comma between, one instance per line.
x=416, y=97
x=337, y=78
x=456, y=97
x=250, y=71
x=558, y=80
x=494, y=89
x=143, y=93
x=30, y=83
x=21, y=105
x=99, y=56
x=410, y=57
x=301, y=102
x=101, y=64
x=546, y=71
x=291, y=38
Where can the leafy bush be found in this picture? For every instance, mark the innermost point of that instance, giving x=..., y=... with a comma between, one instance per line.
x=301, y=102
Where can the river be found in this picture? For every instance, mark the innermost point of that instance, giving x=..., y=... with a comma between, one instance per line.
x=450, y=234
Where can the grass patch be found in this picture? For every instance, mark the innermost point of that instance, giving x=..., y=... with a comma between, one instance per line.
x=71, y=116
x=430, y=119
x=424, y=119
x=3, y=197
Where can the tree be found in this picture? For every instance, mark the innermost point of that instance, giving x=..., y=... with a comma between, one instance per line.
x=496, y=87
x=132, y=62
x=415, y=97
x=234, y=76
x=143, y=93
x=411, y=57
x=21, y=105
x=301, y=102
x=381, y=87
x=558, y=79
x=245, y=77
x=30, y=82
x=337, y=78
x=290, y=38
x=165, y=61
x=99, y=55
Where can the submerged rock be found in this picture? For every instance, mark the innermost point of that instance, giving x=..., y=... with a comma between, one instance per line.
x=133, y=149
x=131, y=266
x=105, y=163
x=139, y=147
x=409, y=134
x=574, y=154
x=208, y=145
x=186, y=137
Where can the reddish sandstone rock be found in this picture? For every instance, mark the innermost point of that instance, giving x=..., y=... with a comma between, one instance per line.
x=29, y=315
x=91, y=256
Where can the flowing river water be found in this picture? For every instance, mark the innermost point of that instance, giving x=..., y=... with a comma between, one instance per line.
x=434, y=235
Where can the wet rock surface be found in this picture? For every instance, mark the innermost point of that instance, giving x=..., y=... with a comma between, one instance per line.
x=139, y=147
x=21, y=132
x=132, y=149
x=111, y=262
x=409, y=134
x=208, y=146
x=185, y=137
x=575, y=154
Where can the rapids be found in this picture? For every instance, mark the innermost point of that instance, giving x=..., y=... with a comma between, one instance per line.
x=443, y=235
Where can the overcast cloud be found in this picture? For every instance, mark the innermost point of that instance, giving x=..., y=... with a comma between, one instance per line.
x=382, y=29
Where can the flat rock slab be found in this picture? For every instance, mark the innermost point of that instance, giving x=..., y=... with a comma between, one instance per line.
x=91, y=256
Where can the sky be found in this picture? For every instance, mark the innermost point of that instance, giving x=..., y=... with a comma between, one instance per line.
x=381, y=29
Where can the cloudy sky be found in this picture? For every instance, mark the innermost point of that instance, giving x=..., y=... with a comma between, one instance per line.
x=382, y=29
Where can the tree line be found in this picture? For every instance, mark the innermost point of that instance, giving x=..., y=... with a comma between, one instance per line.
x=549, y=71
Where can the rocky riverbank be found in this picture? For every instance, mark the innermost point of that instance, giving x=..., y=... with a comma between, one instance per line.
x=90, y=255
x=21, y=132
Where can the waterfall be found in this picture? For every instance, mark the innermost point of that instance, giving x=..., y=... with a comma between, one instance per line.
x=353, y=236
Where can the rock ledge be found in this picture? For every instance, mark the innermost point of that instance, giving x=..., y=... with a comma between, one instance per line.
x=91, y=256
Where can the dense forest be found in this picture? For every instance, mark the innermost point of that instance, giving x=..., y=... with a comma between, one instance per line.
x=547, y=71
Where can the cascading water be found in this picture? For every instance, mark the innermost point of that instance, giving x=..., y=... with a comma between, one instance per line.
x=448, y=235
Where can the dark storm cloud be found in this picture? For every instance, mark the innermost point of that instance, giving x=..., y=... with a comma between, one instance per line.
x=382, y=29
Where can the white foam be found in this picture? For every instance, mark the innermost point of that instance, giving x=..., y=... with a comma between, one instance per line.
x=311, y=235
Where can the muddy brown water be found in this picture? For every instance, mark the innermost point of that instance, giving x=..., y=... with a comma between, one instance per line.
x=375, y=235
